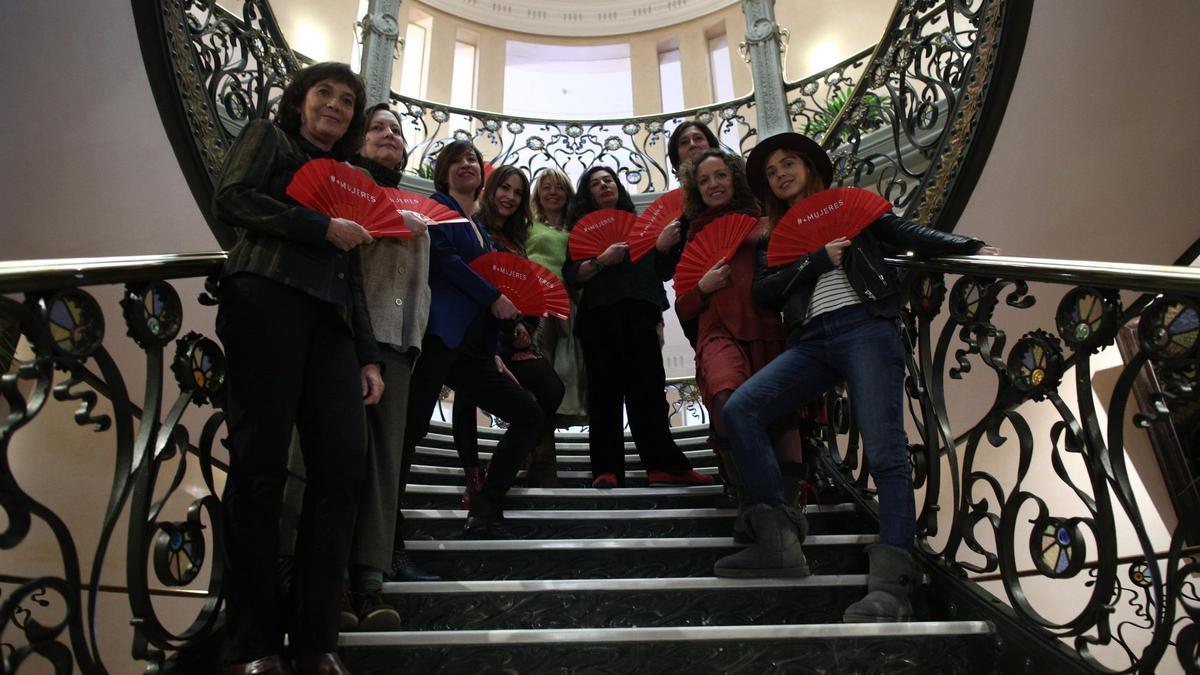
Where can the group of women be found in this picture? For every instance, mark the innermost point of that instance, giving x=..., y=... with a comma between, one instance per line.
x=350, y=341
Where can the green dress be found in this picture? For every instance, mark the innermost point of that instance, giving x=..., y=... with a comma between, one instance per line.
x=555, y=338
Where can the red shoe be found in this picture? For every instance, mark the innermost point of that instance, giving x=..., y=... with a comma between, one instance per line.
x=605, y=481
x=475, y=481
x=689, y=477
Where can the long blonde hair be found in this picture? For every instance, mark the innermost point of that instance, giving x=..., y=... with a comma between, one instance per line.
x=775, y=206
x=563, y=180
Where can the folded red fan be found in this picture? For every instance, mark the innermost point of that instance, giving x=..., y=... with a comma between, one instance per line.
x=342, y=191
x=517, y=278
x=718, y=240
x=817, y=220
x=598, y=230
x=644, y=233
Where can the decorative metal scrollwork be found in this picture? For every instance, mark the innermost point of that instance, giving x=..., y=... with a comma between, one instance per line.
x=1037, y=487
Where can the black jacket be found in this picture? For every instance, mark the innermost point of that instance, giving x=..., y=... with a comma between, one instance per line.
x=789, y=288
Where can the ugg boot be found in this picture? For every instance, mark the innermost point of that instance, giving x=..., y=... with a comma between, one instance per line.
x=776, y=552
x=890, y=584
x=543, y=464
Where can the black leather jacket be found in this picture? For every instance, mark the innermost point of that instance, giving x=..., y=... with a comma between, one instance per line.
x=789, y=288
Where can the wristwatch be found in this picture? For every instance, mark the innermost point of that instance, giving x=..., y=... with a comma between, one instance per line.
x=599, y=265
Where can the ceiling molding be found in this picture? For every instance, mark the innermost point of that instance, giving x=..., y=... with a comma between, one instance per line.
x=571, y=18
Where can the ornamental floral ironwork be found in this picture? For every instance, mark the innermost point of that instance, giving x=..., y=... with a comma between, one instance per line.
x=157, y=465
x=1038, y=492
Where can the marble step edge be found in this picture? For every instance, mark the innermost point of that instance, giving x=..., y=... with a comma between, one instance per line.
x=458, y=472
x=678, y=433
x=660, y=543
x=450, y=453
x=619, y=585
x=610, y=514
x=465, y=638
x=612, y=493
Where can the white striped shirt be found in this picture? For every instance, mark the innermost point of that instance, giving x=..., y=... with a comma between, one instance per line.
x=833, y=291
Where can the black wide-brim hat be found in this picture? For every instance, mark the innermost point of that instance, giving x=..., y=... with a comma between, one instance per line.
x=798, y=143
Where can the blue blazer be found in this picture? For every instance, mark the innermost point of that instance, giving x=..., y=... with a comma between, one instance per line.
x=458, y=294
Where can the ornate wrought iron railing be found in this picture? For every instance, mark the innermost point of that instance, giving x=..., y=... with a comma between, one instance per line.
x=919, y=121
x=902, y=122
x=175, y=533
x=1029, y=463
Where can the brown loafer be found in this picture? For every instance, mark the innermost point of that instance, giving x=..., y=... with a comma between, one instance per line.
x=321, y=664
x=267, y=665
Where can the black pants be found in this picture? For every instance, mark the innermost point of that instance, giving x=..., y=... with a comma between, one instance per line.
x=624, y=365
x=475, y=377
x=536, y=376
x=291, y=361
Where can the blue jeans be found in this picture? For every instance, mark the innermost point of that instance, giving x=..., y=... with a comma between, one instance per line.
x=865, y=351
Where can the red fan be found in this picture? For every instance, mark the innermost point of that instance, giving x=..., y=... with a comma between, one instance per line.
x=817, y=220
x=719, y=239
x=342, y=191
x=516, y=278
x=557, y=303
x=598, y=230
x=650, y=224
x=410, y=201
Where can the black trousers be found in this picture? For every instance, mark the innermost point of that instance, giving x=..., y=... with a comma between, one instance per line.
x=536, y=376
x=475, y=377
x=291, y=361
x=624, y=365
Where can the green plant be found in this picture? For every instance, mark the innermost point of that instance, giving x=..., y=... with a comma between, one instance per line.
x=821, y=121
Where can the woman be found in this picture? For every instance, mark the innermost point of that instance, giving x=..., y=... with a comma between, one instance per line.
x=300, y=351
x=735, y=337
x=461, y=341
x=836, y=332
x=504, y=212
x=620, y=309
x=396, y=283
x=555, y=339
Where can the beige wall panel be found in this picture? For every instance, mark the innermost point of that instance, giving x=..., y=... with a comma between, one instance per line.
x=321, y=30
x=441, y=59
x=824, y=32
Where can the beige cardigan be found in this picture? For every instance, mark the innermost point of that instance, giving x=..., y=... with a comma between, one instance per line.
x=396, y=283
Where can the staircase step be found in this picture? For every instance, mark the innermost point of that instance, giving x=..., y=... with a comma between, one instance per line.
x=424, y=496
x=593, y=523
x=616, y=603
x=455, y=475
x=680, y=434
x=941, y=647
x=656, y=557
x=448, y=456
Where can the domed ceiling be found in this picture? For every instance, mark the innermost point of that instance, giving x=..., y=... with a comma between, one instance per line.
x=579, y=19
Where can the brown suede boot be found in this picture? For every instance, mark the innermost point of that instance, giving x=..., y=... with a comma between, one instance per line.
x=543, y=464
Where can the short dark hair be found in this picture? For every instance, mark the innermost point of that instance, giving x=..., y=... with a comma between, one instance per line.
x=448, y=155
x=584, y=203
x=515, y=227
x=290, y=103
x=367, y=125
x=742, y=200
x=673, y=141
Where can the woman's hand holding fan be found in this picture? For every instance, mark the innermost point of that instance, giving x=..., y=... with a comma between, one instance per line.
x=597, y=231
x=644, y=234
x=718, y=241
x=818, y=220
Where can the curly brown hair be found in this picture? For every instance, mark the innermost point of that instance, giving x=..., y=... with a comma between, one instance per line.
x=292, y=100
x=515, y=228
x=743, y=197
